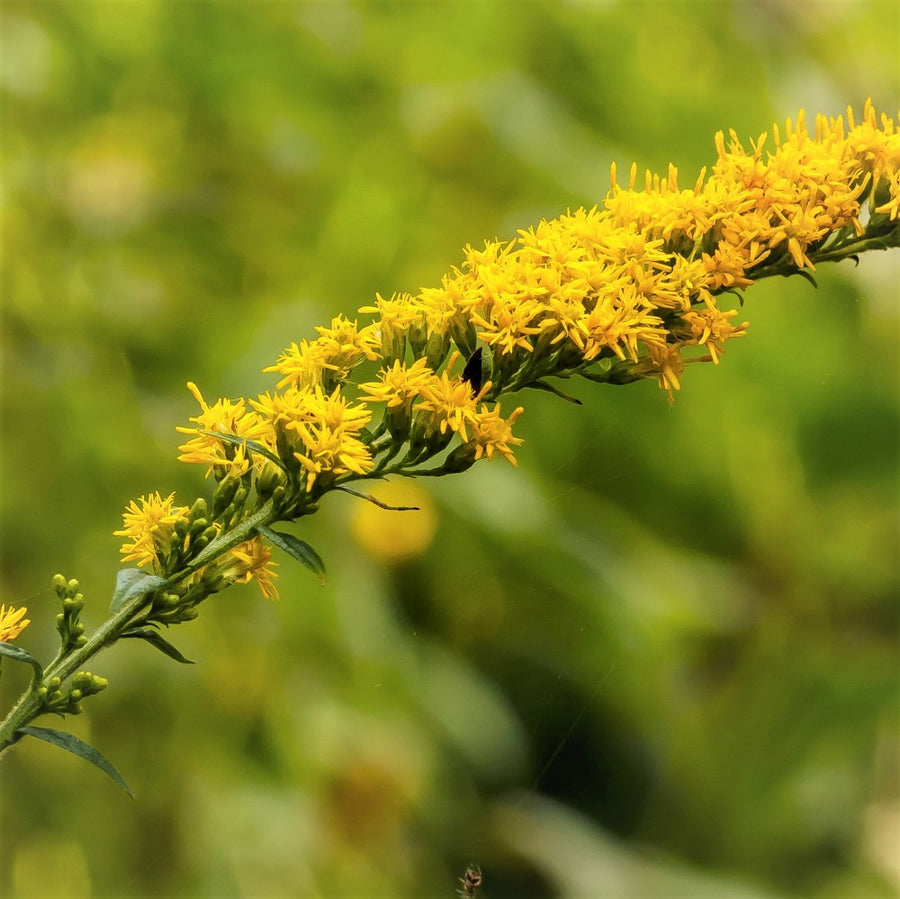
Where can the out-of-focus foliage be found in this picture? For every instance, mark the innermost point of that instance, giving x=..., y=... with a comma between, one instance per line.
x=658, y=659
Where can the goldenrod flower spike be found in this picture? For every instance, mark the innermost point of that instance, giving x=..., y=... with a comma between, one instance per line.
x=631, y=288
x=626, y=290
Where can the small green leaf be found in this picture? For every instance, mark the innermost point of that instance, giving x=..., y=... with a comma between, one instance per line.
x=297, y=548
x=132, y=582
x=375, y=501
x=544, y=385
x=14, y=652
x=251, y=445
x=803, y=273
x=156, y=639
x=72, y=744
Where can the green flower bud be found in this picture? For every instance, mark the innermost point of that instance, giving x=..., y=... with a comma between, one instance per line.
x=399, y=420
x=464, y=335
x=224, y=496
x=426, y=438
x=269, y=477
x=436, y=350
x=198, y=525
x=461, y=459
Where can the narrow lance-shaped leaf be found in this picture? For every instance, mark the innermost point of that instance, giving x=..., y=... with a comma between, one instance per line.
x=156, y=639
x=132, y=582
x=15, y=652
x=543, y=385
x=297, y=548
x=245, y=442
x=72, y=744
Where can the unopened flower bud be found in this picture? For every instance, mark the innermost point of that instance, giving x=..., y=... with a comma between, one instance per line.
x=461, y=459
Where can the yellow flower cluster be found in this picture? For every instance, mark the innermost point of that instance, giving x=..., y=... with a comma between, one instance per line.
x=149, y=525
x=155, y=530
x=616, y=293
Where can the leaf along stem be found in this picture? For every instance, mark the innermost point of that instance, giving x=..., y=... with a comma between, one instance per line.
x=30, y=704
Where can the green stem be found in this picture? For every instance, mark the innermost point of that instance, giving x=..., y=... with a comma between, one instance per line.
x=844, y=249
x=30, y=703
x=229, y=540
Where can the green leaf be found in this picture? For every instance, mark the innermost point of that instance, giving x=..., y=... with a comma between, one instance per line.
x=375, y=501
x=14, y=652
x=803, y=273
x=132, y=582
x=72, y=744
x=251, y=445
x=156, y=639
x=544, y=385
x=297, y=548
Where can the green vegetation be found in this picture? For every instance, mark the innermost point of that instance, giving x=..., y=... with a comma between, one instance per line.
x=659, y=657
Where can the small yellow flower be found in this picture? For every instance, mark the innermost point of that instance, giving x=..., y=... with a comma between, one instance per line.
x=223, y=417
x=251, y=560
x=12, y=623
x=321, y=430
x=399, y=318
x=448, y=402
x=491, y=433
x=399, y=385
x=149, y=524
x=711, y=328
x=666, y=363
x=327, y=360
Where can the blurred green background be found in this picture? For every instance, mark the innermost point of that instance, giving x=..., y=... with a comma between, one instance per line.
x=658, y=659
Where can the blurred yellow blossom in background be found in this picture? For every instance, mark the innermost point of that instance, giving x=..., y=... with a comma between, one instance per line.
x=389, y=536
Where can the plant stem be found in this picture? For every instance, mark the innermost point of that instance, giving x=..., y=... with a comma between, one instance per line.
x=29, y=705
x=30, y=702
